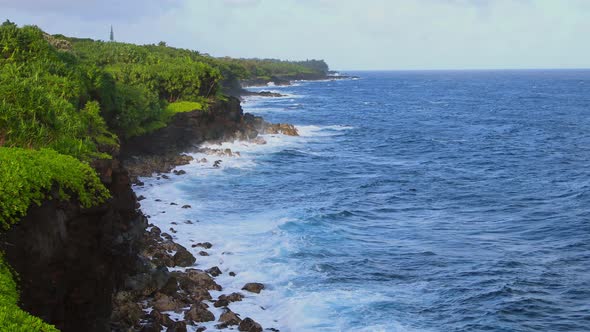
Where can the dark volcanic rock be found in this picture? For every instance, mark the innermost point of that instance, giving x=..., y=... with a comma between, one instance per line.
x=228, y=318
x=161, y=319
x=233, y=297
x=164, y=302
x=253, y=287
x=193, y=278
x=184, y=258
x=214, y=271
x=177, y=327
x=151, y=327
x=69, y=259
x=199, y=313
x=249, y=325
x=221, y=303
x=205, y=245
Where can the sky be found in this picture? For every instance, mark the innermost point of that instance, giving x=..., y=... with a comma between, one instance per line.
x=348, y=34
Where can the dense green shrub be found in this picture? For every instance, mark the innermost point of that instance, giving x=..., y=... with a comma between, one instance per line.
x=27, y=177
x=45, y=98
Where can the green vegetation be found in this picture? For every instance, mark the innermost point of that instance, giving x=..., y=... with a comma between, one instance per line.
x=28, y=176
x=66, y=101
x=184, y=106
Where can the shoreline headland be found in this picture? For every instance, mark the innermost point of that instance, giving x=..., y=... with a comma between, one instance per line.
x=79, y=263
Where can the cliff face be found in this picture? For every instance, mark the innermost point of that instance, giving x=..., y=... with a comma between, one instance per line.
x=223, y=120
x=69, y=260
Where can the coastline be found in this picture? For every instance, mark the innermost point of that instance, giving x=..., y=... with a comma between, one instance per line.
x=111, y=246
x=191, y=294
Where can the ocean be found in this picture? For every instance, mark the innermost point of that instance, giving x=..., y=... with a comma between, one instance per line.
x=411, y=201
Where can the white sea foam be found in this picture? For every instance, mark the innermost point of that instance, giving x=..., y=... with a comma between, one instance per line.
x=251, y=244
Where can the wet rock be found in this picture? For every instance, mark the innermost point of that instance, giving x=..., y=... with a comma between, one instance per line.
x=203, y=160
x=167, y=236
x=151, y=327
x=173, y=203
x=140, y=198
x=203, y=253
x=164, y=176
x=200, y=294
x=270, y=94
x=158, y=200
x=170, y=287
x=281, y=128
x=184, y=258
x=221, y=303
x=201, y=329
x=164, y=302
x=179, y=172
x=259, y=141
x=233, y=297
x=161, y=319
x=193, y=278
x=173, y=230
x=253, y=287
x=188, y=222
x=214, y=271
x=125, y=310
x=177, y=327
x=217, y=163
x=232, y=274
x=205, y=245
x=186, y=206
x=249, y=325
x=228, y=318
x=199, y=313
x=162, y=258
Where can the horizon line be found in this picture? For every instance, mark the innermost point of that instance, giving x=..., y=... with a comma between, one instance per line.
x=464, y=69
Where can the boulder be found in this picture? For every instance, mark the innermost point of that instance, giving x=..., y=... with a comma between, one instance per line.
x=170, y=287
x=214, y=271
x=206, y=245
x=151, y=327
x=228, y=318
x=199, y=313
x=253, y=287
x=233, y=297
x=163, y=302
x=221, y=303
x=161, y=319
x=193, y=278
x=177, y=327
x=249, y=325
x=184, y=258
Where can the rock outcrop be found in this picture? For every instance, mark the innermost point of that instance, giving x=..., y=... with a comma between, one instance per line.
x=70, y=260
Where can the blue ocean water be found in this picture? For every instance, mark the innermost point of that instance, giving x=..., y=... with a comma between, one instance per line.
x=413, y=201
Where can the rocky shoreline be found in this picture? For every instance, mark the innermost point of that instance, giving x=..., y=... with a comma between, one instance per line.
x=155, y=296
x=105, y=268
